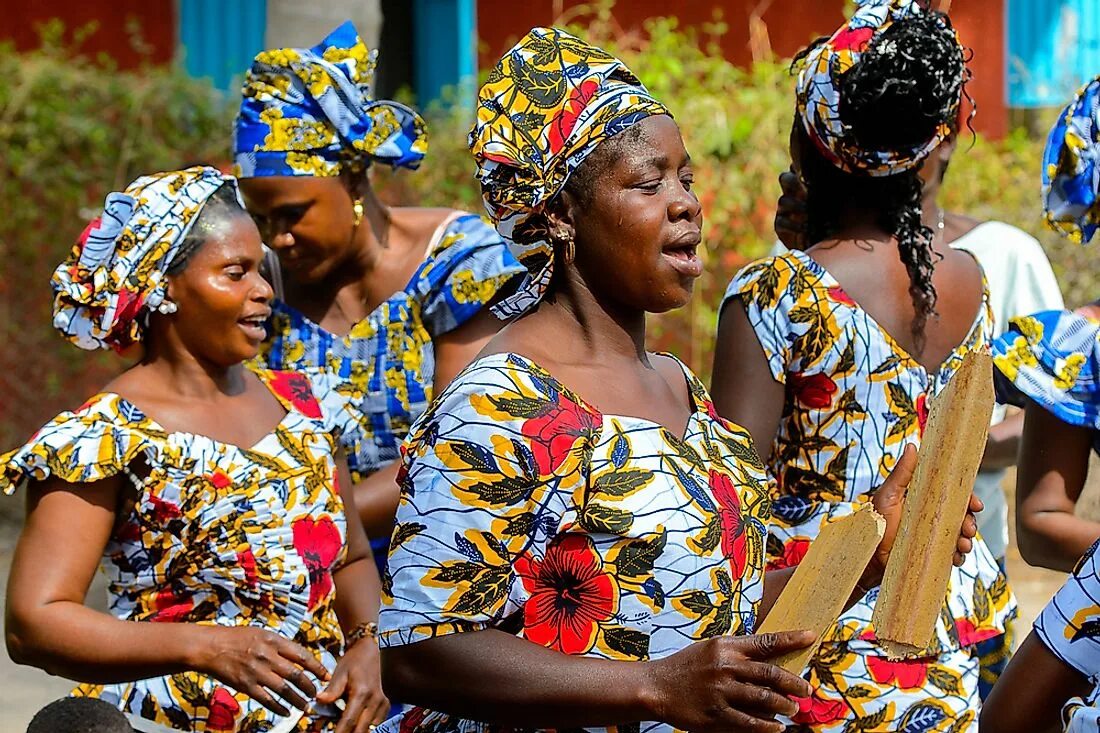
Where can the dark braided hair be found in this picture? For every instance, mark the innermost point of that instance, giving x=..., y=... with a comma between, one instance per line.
x=903, y=88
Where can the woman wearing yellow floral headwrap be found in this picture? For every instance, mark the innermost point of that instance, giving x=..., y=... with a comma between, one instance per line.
x=830, y=356
x=391, y=300
x=206, y=491
x=580, y=539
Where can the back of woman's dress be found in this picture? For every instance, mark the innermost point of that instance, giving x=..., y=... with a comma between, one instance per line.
x=853, y=400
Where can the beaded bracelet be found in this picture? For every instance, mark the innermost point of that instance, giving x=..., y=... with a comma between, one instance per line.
x=367, y=628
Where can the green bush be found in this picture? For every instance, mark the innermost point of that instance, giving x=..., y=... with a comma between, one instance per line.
x=71, y=130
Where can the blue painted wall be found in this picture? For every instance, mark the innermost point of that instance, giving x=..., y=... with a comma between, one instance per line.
x=219, y=38
x=445, y=49
x=1053, y=48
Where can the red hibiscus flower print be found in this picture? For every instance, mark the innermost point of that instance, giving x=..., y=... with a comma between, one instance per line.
x=224, y=709
x=850, y=39
x=294, y=388
x=793, y=552
x=570, y=595
x=908, y=674
x=163, y=511
x=733, y=524
x=247, y=562
x=838, y=294
x=318, y=544
x=969, y=634
x=816, y=710
x=170, y=608
x=922, y=413
x=129, y=305
x=815, y=391
x=554, y=433
x=220, y=479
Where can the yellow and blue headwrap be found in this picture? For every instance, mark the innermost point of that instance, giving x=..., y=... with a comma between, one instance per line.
x=548, y=103
x=1071, y=174
x=309, y=112
x=116, y=271
x=818, y=92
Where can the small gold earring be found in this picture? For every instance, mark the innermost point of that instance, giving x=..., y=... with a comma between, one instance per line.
x=357, y=207
x=570, y=251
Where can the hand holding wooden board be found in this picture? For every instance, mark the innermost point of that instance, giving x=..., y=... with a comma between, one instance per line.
x=914, y=587
x=824, y=581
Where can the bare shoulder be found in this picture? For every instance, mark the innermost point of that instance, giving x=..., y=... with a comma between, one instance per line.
x=419, y=223
x=673, y=373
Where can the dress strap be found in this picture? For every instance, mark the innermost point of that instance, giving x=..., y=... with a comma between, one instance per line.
x=440, y=230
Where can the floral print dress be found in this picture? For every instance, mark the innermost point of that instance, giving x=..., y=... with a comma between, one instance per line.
x=854, y=400
x=1069, y=627
x=386, y=363
x=524, y=508
x=217, y=534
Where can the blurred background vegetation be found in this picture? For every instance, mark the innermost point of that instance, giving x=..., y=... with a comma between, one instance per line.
x=72, y=129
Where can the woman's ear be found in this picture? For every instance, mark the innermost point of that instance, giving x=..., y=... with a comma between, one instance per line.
x=559, y=217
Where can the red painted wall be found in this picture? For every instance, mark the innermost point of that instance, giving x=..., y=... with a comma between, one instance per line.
x=156, y=20
x=790, y=25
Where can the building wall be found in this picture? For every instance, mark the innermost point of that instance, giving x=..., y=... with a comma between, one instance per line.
x=785, y=26
x=155, y=18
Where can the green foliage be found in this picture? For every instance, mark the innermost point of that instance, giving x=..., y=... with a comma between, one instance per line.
x=71, y=130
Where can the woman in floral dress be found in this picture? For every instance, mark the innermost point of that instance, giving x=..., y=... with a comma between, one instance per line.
x=242, y=598
x=580, y=539
x=391, y=301
x=1051, y=362
x=830, y=356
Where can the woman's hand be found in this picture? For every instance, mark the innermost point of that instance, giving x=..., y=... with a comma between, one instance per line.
x=254, y=661
x=727, y=683
x=357, y=680
x=889, y=500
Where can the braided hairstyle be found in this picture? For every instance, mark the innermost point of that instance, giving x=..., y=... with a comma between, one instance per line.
x=907, y=84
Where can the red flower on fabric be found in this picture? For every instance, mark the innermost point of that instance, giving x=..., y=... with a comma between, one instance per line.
x=295, y=389
x=567, y=120
x=969, y=634
x=816, y=710
x=815, y=391
x=908, y=674
x=793, y=552
x=554, y=433
x=164, y=511
x=838, y=294
x=412, y=720
x=318, y=544
x=852, y=39
x=220, y=479
x=169, y=607
x=570, y=595
x=224, y=709
x=129, y=306
x=128, y=532
x=922, y=412
x=247, y=561
x=733, y=524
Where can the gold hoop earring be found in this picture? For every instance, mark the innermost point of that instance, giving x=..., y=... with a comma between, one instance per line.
x=357, y=207
x=570, y=251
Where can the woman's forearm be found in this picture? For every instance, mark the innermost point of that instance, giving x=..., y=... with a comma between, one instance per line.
x=497, y=678
x=1055, y=539
x=70, y=640
x=358, y=593
x=376, y=499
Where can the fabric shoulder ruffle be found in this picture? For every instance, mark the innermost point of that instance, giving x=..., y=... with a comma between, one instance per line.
x=92, y=443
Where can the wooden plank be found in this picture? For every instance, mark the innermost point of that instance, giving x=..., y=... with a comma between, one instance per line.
x=823, y=581
x=914, y=588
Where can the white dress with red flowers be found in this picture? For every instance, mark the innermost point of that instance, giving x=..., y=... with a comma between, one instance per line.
x=217, y=535
x=525, y=509
x=854, y=400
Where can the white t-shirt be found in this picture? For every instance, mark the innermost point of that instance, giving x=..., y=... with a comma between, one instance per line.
x=1021, y=282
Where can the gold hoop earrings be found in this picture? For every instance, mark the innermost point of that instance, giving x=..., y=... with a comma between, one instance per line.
x=570, y=251
x=357, y=207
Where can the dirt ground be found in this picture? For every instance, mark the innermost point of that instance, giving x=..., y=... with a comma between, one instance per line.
x=24, y=690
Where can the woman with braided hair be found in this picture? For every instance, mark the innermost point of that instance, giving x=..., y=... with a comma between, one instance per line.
x=858, y=333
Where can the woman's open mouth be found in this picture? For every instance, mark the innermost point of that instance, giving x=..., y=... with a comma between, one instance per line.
x=684, y=256
x=254, y=327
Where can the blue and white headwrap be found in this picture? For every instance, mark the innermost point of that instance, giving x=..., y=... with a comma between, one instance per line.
x=1071, y=177
x=309, y=112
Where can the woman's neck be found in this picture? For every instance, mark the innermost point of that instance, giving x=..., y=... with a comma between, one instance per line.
x=188, y=376
x=607, y=331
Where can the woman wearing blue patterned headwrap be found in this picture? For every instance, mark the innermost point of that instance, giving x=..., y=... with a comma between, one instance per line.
x=391, y=300
x=1050, y=364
